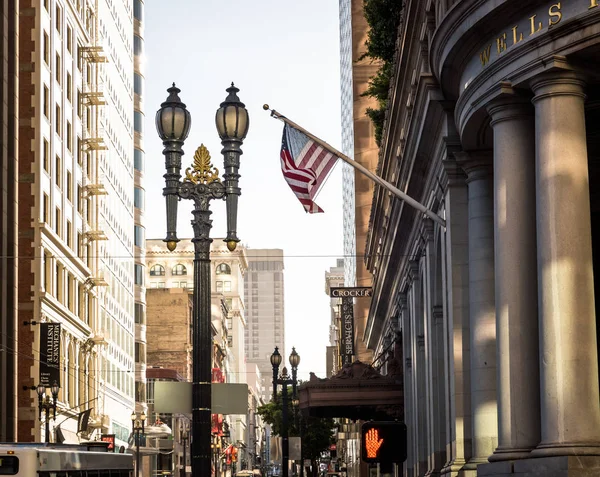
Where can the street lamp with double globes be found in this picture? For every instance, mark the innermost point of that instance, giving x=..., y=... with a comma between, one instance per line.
x=201, y=184
x=138, y=426
x=285, y=380
x=45, y=405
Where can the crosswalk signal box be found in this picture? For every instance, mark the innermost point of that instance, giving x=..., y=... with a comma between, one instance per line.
x=383, y=442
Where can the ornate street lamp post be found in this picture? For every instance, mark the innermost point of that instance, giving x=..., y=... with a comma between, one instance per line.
x=201, y=184
x=284, y=380
x=45, y=405
x=138, y=427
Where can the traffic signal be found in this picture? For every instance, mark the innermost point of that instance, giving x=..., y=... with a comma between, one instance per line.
x=383, y=442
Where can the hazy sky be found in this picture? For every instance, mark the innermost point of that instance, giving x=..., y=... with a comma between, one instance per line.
x=279, y=52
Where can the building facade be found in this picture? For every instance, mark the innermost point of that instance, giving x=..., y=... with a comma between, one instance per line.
x=264, y=298
x=139, y=229
x=76, y=206
x=334, y=278
x=492, y=124
x=358, y=143
x=9, y=60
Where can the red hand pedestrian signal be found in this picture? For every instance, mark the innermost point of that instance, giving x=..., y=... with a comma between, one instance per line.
x=372, y=443
x=383, y=442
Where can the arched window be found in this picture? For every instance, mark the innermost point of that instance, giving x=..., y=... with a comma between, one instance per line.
x=223, y=269
x=157, y=271
x=179, y=269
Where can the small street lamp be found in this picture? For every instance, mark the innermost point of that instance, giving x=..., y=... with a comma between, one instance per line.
x=137, y=425
x=285, y=380
x=275, y=362
x=184, y=437
x=201, y=184
x=45, y=405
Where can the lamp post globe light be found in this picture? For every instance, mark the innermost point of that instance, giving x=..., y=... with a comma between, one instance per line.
x=46, y=405
x=275, y=362
x=201, y=184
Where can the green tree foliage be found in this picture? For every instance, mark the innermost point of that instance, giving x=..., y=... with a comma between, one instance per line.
x=383, y=18
x=316, y=433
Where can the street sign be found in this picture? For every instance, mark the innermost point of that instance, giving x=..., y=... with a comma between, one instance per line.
x=383, y=442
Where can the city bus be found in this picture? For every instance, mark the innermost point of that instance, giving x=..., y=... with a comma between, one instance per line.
x=63, y=460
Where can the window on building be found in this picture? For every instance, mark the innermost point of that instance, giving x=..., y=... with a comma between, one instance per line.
x=79, y=104
x=57, y=221
x=179, y=269
x=138, y=236
x=46, y=100
x=69, y=187
x=223, y=269
x=138, y=122
x=138, y=84
x=157, y=271
x=69, y=236
x=58, y=19
x=57, y=171
x=46, y=158
x=140, y=314
x=219, y=287
x=79, y=199
x=46, y=49
x=183, y=284
x=58, y=69
x=69, y=39
x=139, y=274
x=57, y=120
x=160, y=285
x=69, y=137
x=138, y=10
x=138, y=197
x=227, y=286
x=69, y=87
x=138, y=159
x=45, y=208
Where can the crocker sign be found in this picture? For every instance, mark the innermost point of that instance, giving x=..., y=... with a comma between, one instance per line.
x=340, y=292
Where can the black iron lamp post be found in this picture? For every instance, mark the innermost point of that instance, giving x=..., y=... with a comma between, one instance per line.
x=285, y=380
x=47, y=406
x=275, y=362
x=201, y=184
x=138, y=426
x=184, y=437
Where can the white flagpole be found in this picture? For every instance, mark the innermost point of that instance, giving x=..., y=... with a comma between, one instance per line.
x=375, y=178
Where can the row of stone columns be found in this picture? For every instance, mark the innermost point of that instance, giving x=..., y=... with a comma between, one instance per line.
x=531, y=293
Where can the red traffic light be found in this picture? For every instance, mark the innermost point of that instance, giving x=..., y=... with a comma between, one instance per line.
x=383, y=442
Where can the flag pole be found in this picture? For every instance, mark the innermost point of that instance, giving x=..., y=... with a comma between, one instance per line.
x=375, y=178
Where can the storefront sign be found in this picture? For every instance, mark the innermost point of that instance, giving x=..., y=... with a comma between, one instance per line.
x=347, y=344
x=339, y=292
x=49, y=354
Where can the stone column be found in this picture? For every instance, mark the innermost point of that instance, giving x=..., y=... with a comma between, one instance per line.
x=516, y=277
x=570, y=411
x=408, y=386
x=457, y=350
x=482, y=313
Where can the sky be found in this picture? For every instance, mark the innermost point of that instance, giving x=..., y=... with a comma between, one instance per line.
x=279, y=52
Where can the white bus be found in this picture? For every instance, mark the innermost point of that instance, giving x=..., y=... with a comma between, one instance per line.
x=63, y=460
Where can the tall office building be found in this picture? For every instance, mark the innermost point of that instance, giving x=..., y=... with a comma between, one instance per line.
x=358, y=142
x=9, y=62
x=139, y=235
x=76, y=210
x=263, y=290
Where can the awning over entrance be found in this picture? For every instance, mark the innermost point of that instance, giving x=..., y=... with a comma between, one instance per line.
x=357, y=391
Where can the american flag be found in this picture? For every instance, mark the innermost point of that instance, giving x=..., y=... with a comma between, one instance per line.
x=305, y=166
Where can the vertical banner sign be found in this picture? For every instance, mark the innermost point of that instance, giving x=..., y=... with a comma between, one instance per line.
x=49, y=354
x=347, y=294
x=347, y=329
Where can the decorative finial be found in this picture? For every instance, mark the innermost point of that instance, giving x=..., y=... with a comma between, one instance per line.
x=171, y=245
x=232, y=84
x=231, y=245
x=266, y=107
x=174, y=84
